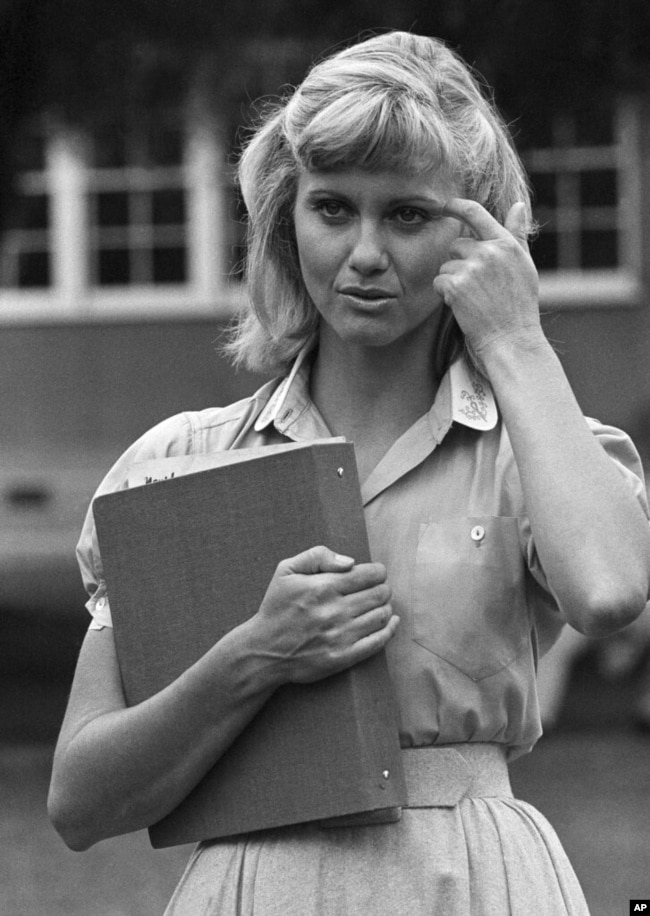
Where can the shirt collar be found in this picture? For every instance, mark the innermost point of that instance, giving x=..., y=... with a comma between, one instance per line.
x=472, y=400
x=464, y=396
x=293, y=388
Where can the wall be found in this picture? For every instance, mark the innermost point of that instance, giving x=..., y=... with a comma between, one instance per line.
x=99, y=387
x=606, y=352
x=606, y=355
x=73, y=397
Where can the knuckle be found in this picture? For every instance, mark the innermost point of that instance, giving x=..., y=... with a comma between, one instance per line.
x=314, y=556
x=318, y=588
x=380, y=594
x=385, y=614
x=379, y=571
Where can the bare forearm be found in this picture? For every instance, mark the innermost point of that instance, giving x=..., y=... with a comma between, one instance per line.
x=119, y=769
x=591, y=535
x=124, y=769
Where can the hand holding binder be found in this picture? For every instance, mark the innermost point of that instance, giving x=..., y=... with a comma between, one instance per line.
x=328, y=612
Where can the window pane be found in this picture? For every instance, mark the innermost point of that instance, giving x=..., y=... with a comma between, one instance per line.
x=535, y=132
x=113, y=266
x=168, y=207
x=36, y=211
x=33, y=269
x=169, y=265
x=594, y=126
x=164, y=145
x=31, y=211
x=109, y=147
x=29, y=150
x=544, y=189
x=112, y=208
x=598, y=188
x=544, y=250
x=599, y=249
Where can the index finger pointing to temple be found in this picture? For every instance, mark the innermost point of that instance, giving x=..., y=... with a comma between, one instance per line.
x=476, y=217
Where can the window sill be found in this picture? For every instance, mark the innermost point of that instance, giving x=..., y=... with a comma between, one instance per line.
x=561, y=290
x=590, y=289
x=121, y=304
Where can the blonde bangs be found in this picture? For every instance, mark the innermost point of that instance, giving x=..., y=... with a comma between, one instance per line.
x=385, y=130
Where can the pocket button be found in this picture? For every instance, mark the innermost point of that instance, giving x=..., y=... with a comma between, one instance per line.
x=477, y=534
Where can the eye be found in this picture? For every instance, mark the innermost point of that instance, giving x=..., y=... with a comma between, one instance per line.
x=410, y=216
x=331, y=209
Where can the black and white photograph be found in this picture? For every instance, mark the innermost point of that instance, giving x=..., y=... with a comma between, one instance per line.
x=324, y=458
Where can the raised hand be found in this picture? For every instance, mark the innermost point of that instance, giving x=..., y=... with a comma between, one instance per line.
x=490, y=282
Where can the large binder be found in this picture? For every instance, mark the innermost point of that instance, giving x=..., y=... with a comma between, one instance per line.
x=189, y=557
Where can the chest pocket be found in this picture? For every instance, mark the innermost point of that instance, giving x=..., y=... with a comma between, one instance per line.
x=469, y=594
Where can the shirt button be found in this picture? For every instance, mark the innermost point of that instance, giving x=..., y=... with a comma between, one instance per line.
x=101, y=603
x=477, y=533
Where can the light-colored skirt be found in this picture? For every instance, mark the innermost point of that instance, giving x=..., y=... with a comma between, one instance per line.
x=483, y=857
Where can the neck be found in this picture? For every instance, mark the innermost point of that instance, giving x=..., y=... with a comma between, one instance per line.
x=368, y=393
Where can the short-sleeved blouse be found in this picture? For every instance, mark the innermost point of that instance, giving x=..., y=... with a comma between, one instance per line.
x=445, y=514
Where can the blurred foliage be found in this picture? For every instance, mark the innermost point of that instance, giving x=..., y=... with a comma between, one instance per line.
x=83, y=56
x=111, y=60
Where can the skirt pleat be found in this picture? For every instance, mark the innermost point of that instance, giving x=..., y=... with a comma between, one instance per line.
x=485, y=857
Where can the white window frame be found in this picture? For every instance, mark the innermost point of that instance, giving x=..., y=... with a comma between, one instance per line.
x=208, y=292
x=613, y=287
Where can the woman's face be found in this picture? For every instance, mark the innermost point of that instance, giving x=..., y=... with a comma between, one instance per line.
x=370, y=245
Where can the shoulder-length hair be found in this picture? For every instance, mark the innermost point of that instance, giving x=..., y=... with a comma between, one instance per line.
x=394, y=101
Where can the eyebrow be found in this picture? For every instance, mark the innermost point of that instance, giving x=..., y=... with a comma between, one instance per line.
x=414, y=199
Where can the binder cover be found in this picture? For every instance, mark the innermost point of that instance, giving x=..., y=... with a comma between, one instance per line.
x=188, y=558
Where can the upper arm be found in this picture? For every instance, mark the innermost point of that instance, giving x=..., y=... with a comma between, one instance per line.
x=97, y=685
x=172, y=437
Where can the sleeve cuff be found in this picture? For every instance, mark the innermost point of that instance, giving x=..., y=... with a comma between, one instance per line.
x=99, y=609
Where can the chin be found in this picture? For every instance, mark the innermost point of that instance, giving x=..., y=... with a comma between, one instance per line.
x=369, y=337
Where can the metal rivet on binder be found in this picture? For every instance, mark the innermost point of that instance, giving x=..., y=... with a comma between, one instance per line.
x=340, y=472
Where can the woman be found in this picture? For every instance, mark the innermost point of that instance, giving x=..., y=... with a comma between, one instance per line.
x=387, y=261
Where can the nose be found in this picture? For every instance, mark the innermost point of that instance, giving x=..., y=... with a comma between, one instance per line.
x=369, y=254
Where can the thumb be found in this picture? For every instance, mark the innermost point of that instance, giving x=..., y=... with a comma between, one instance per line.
x=516, y=223
x=315, y=560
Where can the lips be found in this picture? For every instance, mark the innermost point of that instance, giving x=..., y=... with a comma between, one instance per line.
x=368, y=293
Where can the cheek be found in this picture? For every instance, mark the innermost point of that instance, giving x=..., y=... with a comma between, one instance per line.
x=423, y=268
x=316, y=256
x=439, y=253
x=424, y=259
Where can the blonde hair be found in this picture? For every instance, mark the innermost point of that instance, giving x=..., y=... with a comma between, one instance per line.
x=394, y=101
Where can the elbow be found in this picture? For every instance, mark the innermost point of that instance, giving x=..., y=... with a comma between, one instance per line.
x=605, y=609
x=67, y=820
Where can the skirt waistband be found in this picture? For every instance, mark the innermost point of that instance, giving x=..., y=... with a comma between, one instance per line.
x=440, y=776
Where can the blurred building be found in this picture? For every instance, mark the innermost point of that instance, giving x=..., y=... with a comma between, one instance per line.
x=120, y=266
x=118, y=271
